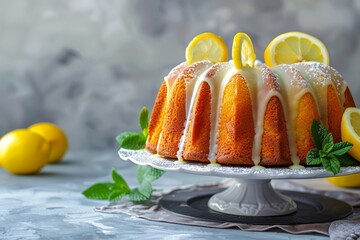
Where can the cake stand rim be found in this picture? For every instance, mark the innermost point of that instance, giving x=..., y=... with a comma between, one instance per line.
x=145, y=158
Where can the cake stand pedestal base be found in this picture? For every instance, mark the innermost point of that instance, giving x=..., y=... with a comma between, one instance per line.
x=252, y=198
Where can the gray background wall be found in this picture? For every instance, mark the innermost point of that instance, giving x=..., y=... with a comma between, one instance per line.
x=90, y=65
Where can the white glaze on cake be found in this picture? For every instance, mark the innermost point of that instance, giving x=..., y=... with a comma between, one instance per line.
x=287, y=82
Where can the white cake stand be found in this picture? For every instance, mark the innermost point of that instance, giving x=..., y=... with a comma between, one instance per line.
x=251, y=194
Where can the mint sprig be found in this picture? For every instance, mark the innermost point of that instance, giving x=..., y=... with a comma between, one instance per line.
x=330, y=155
x=116, y=190
x=136, y=140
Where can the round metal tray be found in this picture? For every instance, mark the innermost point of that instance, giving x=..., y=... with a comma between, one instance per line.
x=311, y=208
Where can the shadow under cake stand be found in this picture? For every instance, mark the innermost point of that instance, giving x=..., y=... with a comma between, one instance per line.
x=251, y=198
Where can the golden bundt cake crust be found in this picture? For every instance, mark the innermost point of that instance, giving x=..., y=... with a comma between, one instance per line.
x=349, y=101
x=335, y=111
x=236, y=127
x=198, y=135
x=173, y=120
x=275, y=146
x=307, y=112
x=157, y=119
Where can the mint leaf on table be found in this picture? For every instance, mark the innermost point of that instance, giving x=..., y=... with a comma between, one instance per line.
x=108, y=190
x=148, y=174
x=114, y=191
x=120, y=183
x=330, y=155
x=141, y=193
x=145, y=175
x=99, y=191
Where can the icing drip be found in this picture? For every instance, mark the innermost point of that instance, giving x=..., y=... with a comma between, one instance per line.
x=217, y=83
x=192, y=87
x=169, y=80
x=268, y=86
x=296, y=86
x=173, y=75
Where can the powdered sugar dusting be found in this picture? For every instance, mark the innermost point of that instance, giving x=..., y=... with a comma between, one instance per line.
x=314, y=73
x=297, y=81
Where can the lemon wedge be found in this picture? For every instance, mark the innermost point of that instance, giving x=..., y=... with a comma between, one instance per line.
x=243, y=51
x=350, y=130
x=293, y=47
x=206, y=46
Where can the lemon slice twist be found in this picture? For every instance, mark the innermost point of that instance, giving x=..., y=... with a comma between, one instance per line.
x=243, y=51
x=293, y=47
x=206, y=46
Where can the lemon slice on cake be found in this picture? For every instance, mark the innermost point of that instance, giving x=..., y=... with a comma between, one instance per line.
x=293, y=47
x=206, y=46
x=243, y=51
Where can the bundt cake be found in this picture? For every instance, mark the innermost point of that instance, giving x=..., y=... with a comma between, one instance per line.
x=247, y=114
x=258, y=116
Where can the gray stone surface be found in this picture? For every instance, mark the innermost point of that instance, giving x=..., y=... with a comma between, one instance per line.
x=90, y=65
x=49, y=205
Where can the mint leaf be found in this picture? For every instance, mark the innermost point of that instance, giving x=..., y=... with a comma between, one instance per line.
x=99, y=191
x=136, y=196
x=120, y=183
x=327, y=148
x=146, y=189
x=134, y=141
x=313, y=157
x=117, y=195
x=150, y=174
x=331, y=155
x=318, y=133
x=120, y=138
x=142, y=193
x=328, y=140
x=326, y=164
x=347, y=160
x=144, y=121
x=331, y=164
x=145, y=175
x=341, y=148
x=335, y=164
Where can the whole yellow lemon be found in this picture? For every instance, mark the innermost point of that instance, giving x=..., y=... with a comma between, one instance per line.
x=54, y=135
x=23, y=152
x=349, y=181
